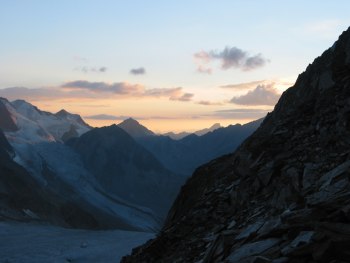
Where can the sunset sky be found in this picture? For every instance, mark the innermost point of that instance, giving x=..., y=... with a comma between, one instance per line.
x=173, y=65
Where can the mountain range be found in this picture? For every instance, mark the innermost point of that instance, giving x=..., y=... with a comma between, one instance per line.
x=183, y=156
x=77, y=176
x=283, y=195
x=61, y=179
x=178, y=136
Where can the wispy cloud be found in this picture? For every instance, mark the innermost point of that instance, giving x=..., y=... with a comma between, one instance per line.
x=116, y=88
x=241, y=113
x=182, y=97
x=95, y=90
x=244, y=85
x=128, y=89
x=264, y=94
x=209, y=103
x=105, y=117
x=138, y=71
x=80, y=59
x=164, y=92
x=229, y=57
x=86, y=69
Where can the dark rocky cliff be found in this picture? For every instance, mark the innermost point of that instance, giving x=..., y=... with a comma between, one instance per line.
x=283, y=196
x=126, y=169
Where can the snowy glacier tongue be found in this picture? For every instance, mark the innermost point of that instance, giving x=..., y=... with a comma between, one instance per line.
x=69, y=170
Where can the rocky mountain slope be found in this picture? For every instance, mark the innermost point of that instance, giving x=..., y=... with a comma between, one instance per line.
x=134, y=128
x=66, y=192
x=126, y=169
x=283, y=196
x=23, y=198
x=185, y=155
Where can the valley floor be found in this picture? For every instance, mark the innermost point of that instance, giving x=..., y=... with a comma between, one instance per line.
x=33, y=243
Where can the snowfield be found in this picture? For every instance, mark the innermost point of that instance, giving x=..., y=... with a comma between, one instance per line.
x=34, y=243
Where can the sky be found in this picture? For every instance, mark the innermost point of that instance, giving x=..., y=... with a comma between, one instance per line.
x=172, y=65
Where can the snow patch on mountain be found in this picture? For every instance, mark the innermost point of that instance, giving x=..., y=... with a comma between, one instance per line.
x=65, y=168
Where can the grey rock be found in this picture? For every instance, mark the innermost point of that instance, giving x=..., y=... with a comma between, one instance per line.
x=310, y=175
x=249, y=230
x=280, y=260
x=270, y=225
x=329, y=192
x=232, y=224
x=252, y=249
x=265, y=173
x=326, y=179
x=303, y=238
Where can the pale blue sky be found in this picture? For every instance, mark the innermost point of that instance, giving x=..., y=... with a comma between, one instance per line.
x=48, y=43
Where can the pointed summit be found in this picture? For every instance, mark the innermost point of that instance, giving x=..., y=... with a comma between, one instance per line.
x=134, y=128
x=210, y=129
x=62, y=113
x=65, y=115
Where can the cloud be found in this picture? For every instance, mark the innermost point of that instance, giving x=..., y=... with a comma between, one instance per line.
x=241, y=113
x=244, y=85
x=116, y=88
x=182, y=97
x=14, y=93
x=261, y=95
x=164, y=92
x=80, y=59
x=94, y=90
x=105, y=117
x=101, y=117
x=138, y=71
x=209, y=103
x=229, y=57
x=91, y=69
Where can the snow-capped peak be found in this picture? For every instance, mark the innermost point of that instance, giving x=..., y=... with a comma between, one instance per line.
x=35, y=125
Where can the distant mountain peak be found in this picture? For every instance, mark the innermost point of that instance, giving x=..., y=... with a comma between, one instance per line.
x=62, y=112
x=130, y=119
x=210, y=129
x=134, y=128
x=216, y=125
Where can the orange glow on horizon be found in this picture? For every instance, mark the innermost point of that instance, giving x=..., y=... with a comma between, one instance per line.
x=174, y=125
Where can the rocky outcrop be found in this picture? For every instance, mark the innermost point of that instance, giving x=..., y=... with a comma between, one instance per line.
x=126, y=169
x=7, y=123
x=283, y=196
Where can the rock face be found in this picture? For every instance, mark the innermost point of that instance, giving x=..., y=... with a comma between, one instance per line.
x=126, y=169
x=283, y=196
x=6, y=121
